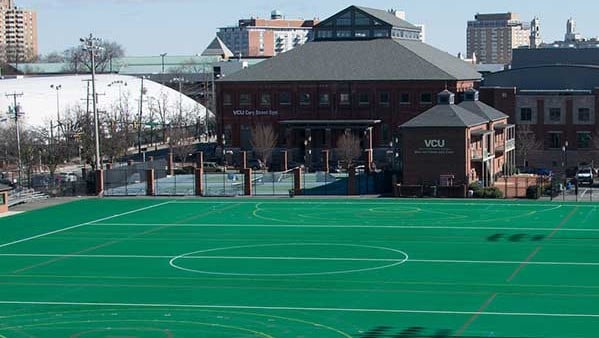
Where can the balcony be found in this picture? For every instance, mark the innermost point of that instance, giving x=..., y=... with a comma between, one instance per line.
x=481, y=155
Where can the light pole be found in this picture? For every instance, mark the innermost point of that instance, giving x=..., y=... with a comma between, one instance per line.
x=91, y=44
x=57, y=88
x=180, y=81
x=308, y=152
x=565, y=168
x=163, y=55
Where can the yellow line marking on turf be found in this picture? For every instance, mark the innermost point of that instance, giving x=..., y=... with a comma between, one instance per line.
x=537, y=249
x=476, y=315
x=514, y=274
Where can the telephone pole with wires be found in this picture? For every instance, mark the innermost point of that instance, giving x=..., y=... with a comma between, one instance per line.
x=14, y=113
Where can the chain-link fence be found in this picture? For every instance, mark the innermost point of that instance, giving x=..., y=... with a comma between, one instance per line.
x=131, y=180
x=227, y=183
x=272, y=183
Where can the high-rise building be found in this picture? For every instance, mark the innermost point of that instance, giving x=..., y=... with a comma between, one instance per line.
x=18, y=33
x=257, y=37
x=493, y=36
x=535, y=33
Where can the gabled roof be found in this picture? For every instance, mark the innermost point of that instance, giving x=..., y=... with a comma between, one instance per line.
x=387, y=17
x=218, y=48
x=445, y=115
x=362, y=60
x=483, y=110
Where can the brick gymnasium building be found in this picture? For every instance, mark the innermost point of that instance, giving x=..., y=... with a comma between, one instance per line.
x=366, y=70
x=453, y=144
x=552, y=95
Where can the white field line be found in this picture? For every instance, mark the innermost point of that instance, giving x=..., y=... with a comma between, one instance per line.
x=398, y=204
x=440, y=261
x=332, y=226
x=395, y=204
x=296, y=308
x=80, y=225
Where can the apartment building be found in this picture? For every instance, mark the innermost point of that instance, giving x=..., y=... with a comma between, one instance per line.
x=256, y=37
x=491, y=37
x=18, y=33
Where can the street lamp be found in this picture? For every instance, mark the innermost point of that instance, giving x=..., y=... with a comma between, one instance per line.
x=565, y=167
x=57, y=88
x=91, y=44
x=180, y=81
x=163, y=55
x=308, y=152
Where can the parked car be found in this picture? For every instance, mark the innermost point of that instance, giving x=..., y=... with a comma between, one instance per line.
x=585, y=176
x=68, y=177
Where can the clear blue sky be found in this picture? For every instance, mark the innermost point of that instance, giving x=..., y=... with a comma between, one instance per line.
x=185, y=27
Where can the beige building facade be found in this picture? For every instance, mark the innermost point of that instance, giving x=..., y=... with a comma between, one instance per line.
x=491, y=37
x=257, y=37
x=18, y=33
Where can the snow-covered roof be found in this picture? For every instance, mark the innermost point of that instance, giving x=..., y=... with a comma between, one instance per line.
x=39, y=99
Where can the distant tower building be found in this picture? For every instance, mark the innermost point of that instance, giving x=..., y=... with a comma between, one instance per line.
x=493, y=36
x=535, y=33
x=257, y=37
x=18, y=33
x=571, y=35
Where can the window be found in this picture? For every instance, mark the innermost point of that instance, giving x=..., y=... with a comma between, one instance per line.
x=362, y=20
x=404, y=98
x=555, y=114
x=584, y=115
x=325, y=34
x=2, y=201
x=555, y=140
x=426, y=98
x=344, y=19
x=265, y=99
x=305, y=99
x=245, y=100
x=344, y=34
x=284, y=98
x=525, y=114
x=363, y=99
x=384, y=99
x=324, y=99
x=227, y=100
x=362, y=34
x=380, y=33
x=583, y=140
x=344, y=98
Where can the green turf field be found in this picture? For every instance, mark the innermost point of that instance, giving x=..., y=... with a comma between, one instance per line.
x=363, y=268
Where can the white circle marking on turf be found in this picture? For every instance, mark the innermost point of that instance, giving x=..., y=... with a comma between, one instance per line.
x=399, y=261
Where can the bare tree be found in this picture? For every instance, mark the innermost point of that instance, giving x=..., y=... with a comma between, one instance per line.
x=264, y=140
x=118, y=129
x=160, y=108
x=52, y=57
x=190, y=66
x=526, y=141
x=78, y=59
x=348, y=148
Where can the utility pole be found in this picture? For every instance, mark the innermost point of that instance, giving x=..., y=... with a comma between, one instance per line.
x=91, y=44
x=141, y=104
x=15, y=114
